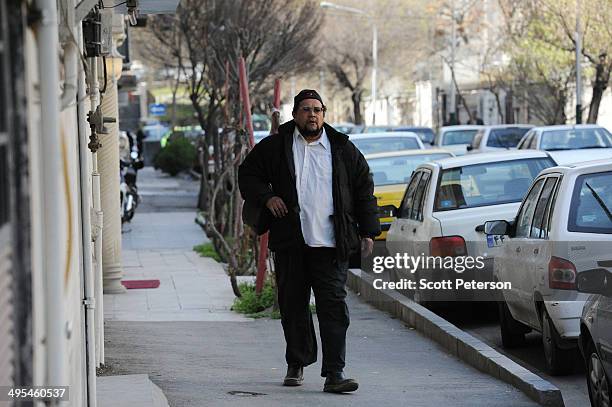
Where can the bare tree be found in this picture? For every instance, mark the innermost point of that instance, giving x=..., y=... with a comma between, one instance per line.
x=206, y=38
x=347, y=47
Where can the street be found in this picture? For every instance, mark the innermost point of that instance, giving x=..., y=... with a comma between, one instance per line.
x=485, y=327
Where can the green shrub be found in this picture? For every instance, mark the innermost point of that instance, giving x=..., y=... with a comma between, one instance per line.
x=178, y=155
x=207, y=250
x=250, y=302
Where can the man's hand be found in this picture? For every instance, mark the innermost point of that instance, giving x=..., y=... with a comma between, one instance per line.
x=277, y=207
x=367, y=245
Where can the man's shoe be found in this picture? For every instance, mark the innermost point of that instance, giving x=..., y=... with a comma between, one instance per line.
x=335, y=382
x=294, y=377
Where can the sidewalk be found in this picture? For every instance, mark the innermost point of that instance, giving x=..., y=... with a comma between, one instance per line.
x=183, y=336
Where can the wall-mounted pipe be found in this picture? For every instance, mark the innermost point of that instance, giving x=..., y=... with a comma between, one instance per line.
x=71, y=59
x=53, y=217
x=88, y=272
x=97, y=217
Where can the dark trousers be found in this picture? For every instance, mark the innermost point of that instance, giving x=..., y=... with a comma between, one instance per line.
x=297, y=271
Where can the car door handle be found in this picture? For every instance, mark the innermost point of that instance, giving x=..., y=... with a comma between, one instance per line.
x=414, y=230
x=536, y=251
x=518, y=249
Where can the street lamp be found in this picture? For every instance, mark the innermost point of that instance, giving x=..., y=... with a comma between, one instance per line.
x=114, y=64
x=330, y=5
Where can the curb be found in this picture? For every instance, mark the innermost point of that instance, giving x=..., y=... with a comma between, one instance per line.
x=459, y=343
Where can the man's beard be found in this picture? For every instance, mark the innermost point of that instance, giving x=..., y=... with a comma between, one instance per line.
x=309, y=133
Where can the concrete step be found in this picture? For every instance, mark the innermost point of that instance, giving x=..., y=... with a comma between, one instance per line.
x=135, y=390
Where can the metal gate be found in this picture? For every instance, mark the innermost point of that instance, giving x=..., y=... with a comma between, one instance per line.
x=7, y=331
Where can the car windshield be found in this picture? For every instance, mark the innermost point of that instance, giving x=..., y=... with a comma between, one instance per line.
x=487, y=183
x=571, y=139
x=426, y=135
x=506, y=138
x=591, y=209
x=385, y=144
x=398, y=169
x=458, y=137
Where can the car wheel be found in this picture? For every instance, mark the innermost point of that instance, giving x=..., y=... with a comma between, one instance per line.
x=559, y=361
x=599, y=387
x=512, y=331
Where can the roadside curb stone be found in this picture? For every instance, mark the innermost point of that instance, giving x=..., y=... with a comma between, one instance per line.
x=458, y=342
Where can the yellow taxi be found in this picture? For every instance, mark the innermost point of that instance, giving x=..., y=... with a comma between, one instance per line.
x=391, y=172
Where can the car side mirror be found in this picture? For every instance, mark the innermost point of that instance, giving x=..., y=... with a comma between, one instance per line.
x=470, y=147
x=387, y=211
x=596, y=281
x=497, y=227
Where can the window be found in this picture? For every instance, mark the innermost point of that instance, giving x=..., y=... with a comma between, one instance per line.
x=591, y=208
x=506, y=138
x=490, y=183
x=533, y=143
x=397, y=170
x=408, y=200
x=384, y=144
x=477, y=139
x=525, y=141
x=571, y=139
x=416, y=212
x=539, y=227
x=526, y=213
x=458, y=137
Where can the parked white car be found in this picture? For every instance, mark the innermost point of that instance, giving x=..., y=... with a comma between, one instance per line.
x=456, y=138
x=447, y=202
x=570, y=144
x=372, y=143
x=563, y=227
x=498, y=137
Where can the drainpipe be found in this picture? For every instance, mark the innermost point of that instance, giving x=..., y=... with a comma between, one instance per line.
x=88, y=271
x=53, y=216
x=94, y=97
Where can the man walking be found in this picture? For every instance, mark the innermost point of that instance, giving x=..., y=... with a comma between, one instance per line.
x=318, y=188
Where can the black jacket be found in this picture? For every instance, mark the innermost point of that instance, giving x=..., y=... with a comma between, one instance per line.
x=268, y=170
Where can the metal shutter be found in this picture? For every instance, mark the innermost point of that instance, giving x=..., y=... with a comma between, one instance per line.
x=7, y=330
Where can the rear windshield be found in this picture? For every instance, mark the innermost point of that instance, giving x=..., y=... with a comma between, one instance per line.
x=385, y=144
x=591, y=210
x=397, y=170
x=458, y=137
x=426, y=135
x=488, y=183
x=506, y=138
x=571, y=139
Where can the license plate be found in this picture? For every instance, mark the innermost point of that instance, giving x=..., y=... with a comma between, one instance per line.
x=494, y=240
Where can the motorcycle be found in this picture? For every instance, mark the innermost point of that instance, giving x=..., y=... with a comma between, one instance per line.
x=129, y=164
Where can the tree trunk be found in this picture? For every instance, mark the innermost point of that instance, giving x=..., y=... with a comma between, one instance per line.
x=602, y=77
x=595, y=102
x=356, y=98
x=234, y=283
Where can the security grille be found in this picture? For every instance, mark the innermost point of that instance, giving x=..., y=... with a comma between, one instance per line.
x=7, y=340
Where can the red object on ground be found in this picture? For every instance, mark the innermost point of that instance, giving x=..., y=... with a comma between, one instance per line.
x=137, y=284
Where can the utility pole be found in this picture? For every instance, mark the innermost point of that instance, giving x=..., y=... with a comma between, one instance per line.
x=452, y=102
x=578, y=66
x=374, y=68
